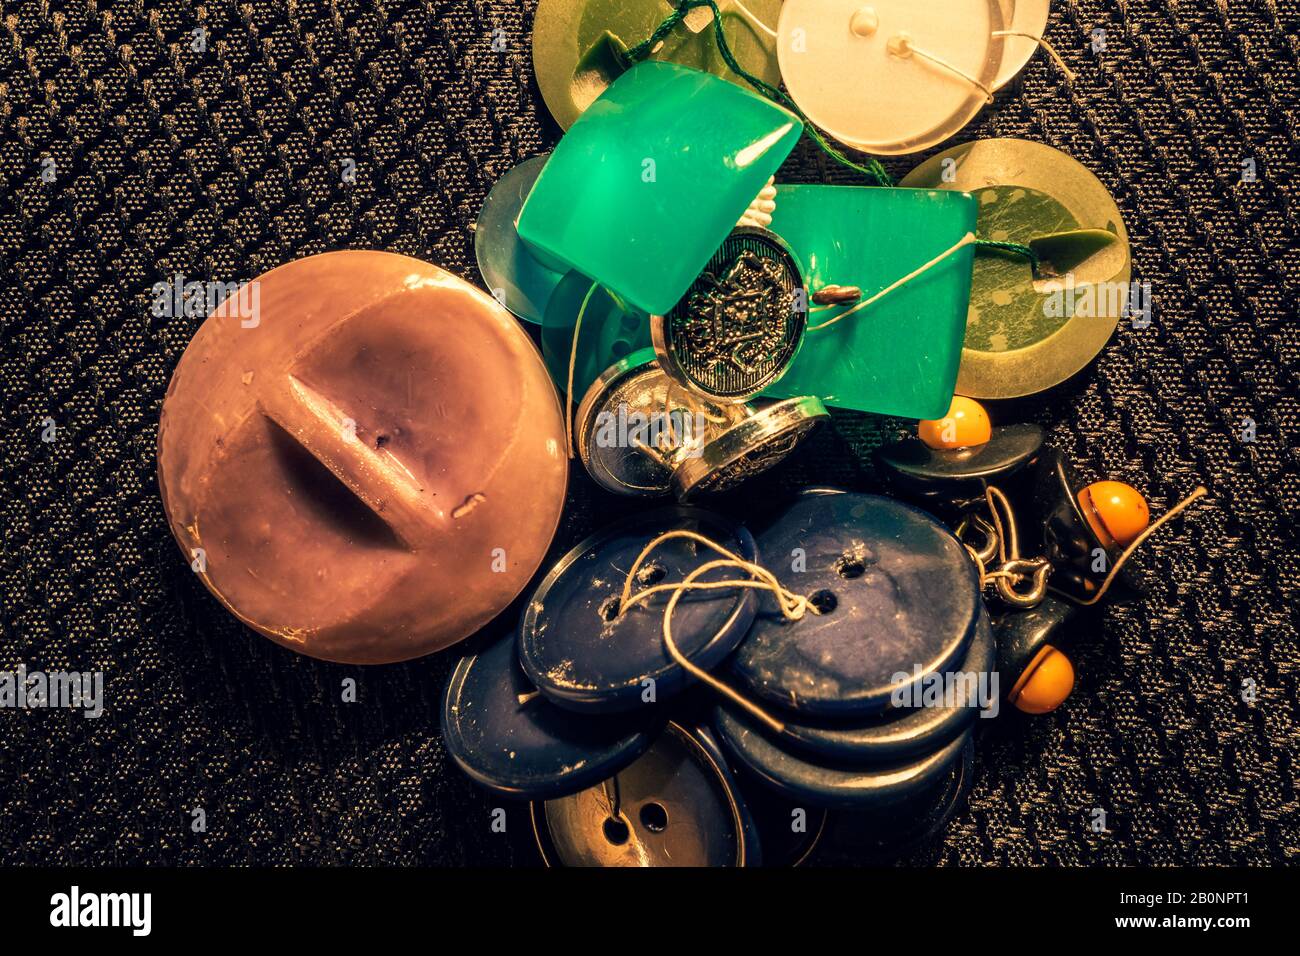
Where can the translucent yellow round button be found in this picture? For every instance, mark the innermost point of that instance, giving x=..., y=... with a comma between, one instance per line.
x=1029, y=329
x=890, y=76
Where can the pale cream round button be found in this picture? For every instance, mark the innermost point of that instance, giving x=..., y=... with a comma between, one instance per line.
x=1022, y=17
x=873, y=74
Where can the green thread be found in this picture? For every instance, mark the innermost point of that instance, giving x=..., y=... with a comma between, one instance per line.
x=1012, y=247
x=639, y=52
x=873, y=170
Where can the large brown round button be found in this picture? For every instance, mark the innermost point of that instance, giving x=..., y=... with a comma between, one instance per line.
x=362, y=456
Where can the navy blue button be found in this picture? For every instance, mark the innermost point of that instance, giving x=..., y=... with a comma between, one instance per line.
x=899, y=594
x=530, y=748
x=898, y=734
x=831, y=785
x=876, y=836
x=583, y=656
x=911, y=463
x=704, y=736
x=789, y=831
x=786, y=831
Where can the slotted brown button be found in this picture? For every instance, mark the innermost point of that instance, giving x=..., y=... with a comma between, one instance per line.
x=362, y=456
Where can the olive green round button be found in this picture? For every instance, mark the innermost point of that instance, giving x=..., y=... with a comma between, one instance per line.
x=1029, y=329
x=580, y=46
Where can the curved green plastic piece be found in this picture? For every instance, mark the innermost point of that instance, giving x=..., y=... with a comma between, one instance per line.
x=646, y=185
x=900, y=355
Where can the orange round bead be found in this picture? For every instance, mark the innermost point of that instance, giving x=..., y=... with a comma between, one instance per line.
x=965, y=425
x=1045, y=684
x=1117, y=512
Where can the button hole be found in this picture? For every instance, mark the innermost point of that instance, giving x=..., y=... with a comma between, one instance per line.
x=651, y=574
x=654, y=817
x=824, y=600
x=616, y=831
x=850, y=566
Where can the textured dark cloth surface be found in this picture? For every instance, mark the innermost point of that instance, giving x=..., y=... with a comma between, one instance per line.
x=218, y=164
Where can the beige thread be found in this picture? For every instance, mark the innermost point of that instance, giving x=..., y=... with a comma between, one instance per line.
x=1041, y=41
x=1004, y=553
x=1003, y=508
x=754, y=20
x=902, y=46
x=790, y=602
x=793, y=606
x=573, y=361
x=1200, y=492
x=965, y=240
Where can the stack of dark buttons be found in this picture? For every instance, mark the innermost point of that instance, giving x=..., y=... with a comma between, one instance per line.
x=584, y=715
x=878, y=693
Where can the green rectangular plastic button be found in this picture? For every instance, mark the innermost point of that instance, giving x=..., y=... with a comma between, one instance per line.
x=898, y=356
x=650, y=180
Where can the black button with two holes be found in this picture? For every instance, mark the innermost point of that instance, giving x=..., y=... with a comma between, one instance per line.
x=866, y=689
x=897, y=593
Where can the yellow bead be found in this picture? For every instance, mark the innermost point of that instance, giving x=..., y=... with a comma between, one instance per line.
x=965, y=425
x=1045, y=684
x=1117, y=512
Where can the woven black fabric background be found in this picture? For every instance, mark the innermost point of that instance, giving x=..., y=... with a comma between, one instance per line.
x=223, y=163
